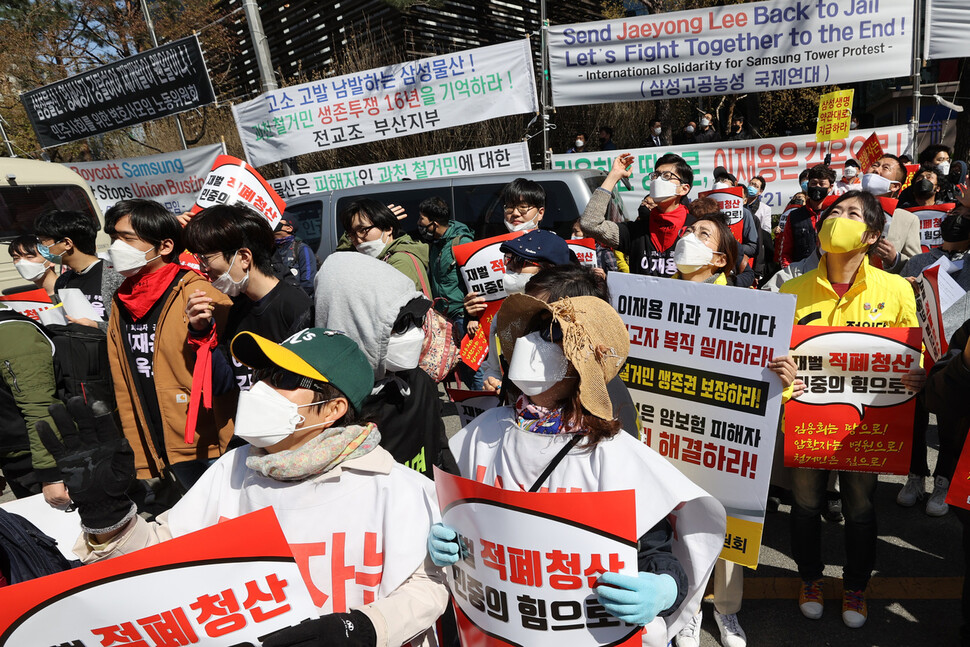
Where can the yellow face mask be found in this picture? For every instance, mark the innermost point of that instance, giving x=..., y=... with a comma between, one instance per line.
x=842, y=235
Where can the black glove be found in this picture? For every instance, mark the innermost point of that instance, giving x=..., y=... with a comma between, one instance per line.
x=95, y=460
x=352, y=629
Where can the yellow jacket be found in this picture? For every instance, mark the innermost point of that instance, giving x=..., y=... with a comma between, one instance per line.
x=876, y=299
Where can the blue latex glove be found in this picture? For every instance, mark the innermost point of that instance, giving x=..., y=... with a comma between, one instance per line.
x=443, y=545
x=636, y=600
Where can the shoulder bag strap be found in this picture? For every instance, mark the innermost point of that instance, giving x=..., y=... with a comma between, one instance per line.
x=555, y=461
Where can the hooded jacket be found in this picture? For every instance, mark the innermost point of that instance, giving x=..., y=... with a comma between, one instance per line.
x=363, y=297
x=399, y=254
x=446, y=285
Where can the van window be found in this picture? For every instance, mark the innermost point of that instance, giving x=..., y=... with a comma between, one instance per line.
x=307, y=218
x=480, y=207
x=407, y=199
x=20, y=205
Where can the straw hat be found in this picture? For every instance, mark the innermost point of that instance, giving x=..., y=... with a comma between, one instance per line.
x=594, y=340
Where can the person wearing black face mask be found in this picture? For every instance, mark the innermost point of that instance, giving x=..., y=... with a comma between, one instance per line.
x=437, y=228
x=924, y=190
x=606, y=139
x=798, y=239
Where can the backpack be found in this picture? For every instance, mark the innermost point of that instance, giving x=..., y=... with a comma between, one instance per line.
x=27, y=553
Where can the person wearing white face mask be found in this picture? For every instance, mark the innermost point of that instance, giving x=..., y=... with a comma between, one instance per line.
x=30, y=265
x=379, y=309
x=900, y=239
x=234, y=247
x=560, y=434
x=579, y=146
x=655, y=138
x=851, y=178
x=157, y=383
x=706, y=131
x=373, y=230
x=315, y=459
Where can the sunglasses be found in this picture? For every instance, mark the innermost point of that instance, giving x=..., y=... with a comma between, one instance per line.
x=285, y=380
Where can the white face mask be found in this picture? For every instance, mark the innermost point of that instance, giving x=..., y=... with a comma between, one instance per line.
x=691, y=254
x=876, y=184
x=851, y=171
x=689, y=129
x=661, y=189
x=404, y=350
x=944, y=167
x=579, y=143
x=264, y=416
x=30, y=270
x=537, y=365
x=577, y=237
x=705, y=122
x=657, y=131
x=128, y=260
x=514, y=282
x=227, y=285
x=372, y=248
x=528, y=225
x=722, y=185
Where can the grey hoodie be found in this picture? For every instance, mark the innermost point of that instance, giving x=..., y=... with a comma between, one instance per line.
x=362, y=297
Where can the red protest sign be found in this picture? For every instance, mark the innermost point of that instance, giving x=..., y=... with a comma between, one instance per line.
x=481, y=265
x=930, y=313
x=224, y=585
x=930, y=218
x=29, y=303
x=585, y=250
x=730, y=202
x=855, y=414
x=871, y=151
x=233, y=181
x=959, y=492
x=474, y=349
x=910, y=172
x=530, y=560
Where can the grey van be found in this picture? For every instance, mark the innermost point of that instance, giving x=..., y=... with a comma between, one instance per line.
x=474, y=200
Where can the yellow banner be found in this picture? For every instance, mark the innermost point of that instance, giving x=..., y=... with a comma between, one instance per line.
x=834, y=115
x=742, y=542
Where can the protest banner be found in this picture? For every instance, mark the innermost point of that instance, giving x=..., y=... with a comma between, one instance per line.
x=959, y=492
x=730, y=202
x=234, y=182
x=778, y=160
x=930, y=313
x=930, y=218
x=529, y=561
x=162, y=81
x=474, y=349
x=834, y=115
x=699, y=377
x=471, y=404
x=403, y=99
x=585, y=250
x=855, y=414
x=754, y=47
x=946, y=26
x=491, y=159
x=222, y=586
x=872, y=149
x=30, y=303
x=174, y=179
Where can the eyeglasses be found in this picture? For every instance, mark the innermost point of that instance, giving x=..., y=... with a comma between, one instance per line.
x=358, y=233
x=516, y=263
x=521, y=208
x=203, y=259
x=551, y=332
x=281, y=378
x=665, y=175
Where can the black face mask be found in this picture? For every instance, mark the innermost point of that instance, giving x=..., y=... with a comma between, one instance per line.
x=924, y=188
x=955, y=228
x=425, y=234
x=817, y=193
x=602, y=140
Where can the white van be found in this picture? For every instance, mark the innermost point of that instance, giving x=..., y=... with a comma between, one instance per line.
x=29, y=188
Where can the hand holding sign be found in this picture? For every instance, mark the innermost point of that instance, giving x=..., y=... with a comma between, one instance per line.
x=636, y=600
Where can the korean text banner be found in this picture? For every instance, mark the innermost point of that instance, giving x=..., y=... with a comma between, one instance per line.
x=755, y=47
x=529, y=562
x=163, y=81
x=700, y=379
x=233, y=181
x=778, y=160
x=174, y=179
x=930, y=218
x=947, y=25
x=855, y=414
x=491, y=159
x=404, y=99
x=221, y=586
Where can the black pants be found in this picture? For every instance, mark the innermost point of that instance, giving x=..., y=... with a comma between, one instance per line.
x=964, y=517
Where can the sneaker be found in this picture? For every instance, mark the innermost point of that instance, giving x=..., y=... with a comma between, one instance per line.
x=690, y=635
x=913, y=491
x=810, y=599
x=936, y=505
x=732, y=635
x=833, y=511
x=854, y=609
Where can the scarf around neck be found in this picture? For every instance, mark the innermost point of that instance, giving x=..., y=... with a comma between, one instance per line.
x=318, y=455
x=539, y=420
x=140, y=292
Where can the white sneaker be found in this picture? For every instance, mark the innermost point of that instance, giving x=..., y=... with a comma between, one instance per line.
x=732, y=635
x=913, y=491
x=936, y=506
x=690, y=635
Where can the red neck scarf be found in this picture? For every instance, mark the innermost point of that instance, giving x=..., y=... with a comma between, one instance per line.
x=665, y=227
x=140, y=292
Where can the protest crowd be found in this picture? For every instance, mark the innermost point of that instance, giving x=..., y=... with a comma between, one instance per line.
x=223, y=368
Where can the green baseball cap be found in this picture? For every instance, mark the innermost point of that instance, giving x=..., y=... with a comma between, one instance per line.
x=317, y=353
